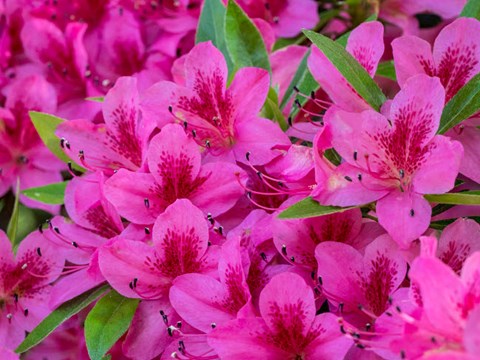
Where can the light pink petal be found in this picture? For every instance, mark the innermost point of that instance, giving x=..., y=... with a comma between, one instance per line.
x=294, y=164
x=201, y=300
x=258, y=136
x=295, y=16
x=122, y=261
x=457, y=54
x=74, y=34
x=417, y=109
x=345, y=284
x=180, y=235
x=7, y=354
x=457, y=242
x=385, y=270
x=249, y=90
x=245, y=339
x=472, y=332
x=32, y=93
x=471, y=279
x=127, y=192
x=220, y=191
x=155, y=102
x=334, y=84
x=287, y=305
x=365, y=44
x=441, y=292
x=405, y=216
x=412, y=56
x=438, y=172
x=469, y=136
x=6, y=254
x=282, y=75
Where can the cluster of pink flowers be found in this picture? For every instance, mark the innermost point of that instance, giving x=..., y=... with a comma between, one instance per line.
x=178, y=174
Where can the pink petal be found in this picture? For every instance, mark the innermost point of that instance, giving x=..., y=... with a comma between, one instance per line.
x=296, y=15
x=155, y=102
x=282, y=75
x=32, y=93
x=412, y=56
x=471, y=279
x=405, y=216
x=6, y=254
x=469, y=136
x=472, y=332
x=365, y=44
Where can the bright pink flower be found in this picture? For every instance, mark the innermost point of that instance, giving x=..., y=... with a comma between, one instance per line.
x=365, y=44
x=22, y=153
x=287, y=17
x=361, y=290
x=25, y=285
x=120, y=142
x=287, y=329
x=174, y=160
x=222, y=120
x=394, y=159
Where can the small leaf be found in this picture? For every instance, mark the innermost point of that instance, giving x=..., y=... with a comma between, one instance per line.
x=99, y=99
x=460, y=198
x=50, y=194
x=244, y=42
x=211, y=27
x=351, y=70
x=464, y=104
x=271, y=110
x=308, y=208
x=12, y=227
x=46, y=124
x=471, y=9
x=59, y=316
x=386, y=69
x=107, y=322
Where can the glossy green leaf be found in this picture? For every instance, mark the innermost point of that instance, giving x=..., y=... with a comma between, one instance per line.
x=386, y=69
x=50, y=194
x=12, y=227
x=59, y=316
x=308, y=208
x=460, y=198
x=107, y=322
x=211, y=27
x=244, y=42
x=464, y=104
x=351, y=70
x=471, y=9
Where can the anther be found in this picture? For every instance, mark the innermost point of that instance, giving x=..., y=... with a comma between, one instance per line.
x=40, y=228
x=312, y=94
x=170, y=108
x=194, y=133
x=220, y=230
x=402, y=173
x=170, y=330
x=292, y=259
x=185, y=125
x=342, y=330
x=39, y=252
x=412, y=212
x=9, y=316
x=348, y=178
x=402, y=354
x=25, y=312
x=179, y=324
x=320, y=280
x=368, y=326
x=284, y=250
x=24, y=266
x=135, y=280
x=263, y=256
x=247, y=155
x=213, y=325
x=147, y=230
x=359, y=177
x=56, y=229
x=295, y=88
x=297, y=102
x=207, y=144
x=355, y=155
x=290, y=121
x=146, y=202
x=15, y=297
x=74, y=244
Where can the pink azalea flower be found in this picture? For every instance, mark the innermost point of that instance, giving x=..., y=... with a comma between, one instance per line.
x=118, y=143
x=23, y=155
x=25, y=285
x=222, y=120
x=287, y=329
x=361, y=292
x=394, y=159
x=287, y=17
x=176, y=172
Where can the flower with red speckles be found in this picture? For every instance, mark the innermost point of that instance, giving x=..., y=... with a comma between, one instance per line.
x=287, y=329
x=224, y=121
x=25, y=285
x=394, y=159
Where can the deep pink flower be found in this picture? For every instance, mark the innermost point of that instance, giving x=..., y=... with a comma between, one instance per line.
x=222, y=120
x=25, y=285
x=394, y=159
x=176, y=172
x=287, y=329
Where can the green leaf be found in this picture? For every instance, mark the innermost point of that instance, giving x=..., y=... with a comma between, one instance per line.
x=244, y=42
x=471, y=9
x=308, y=208
x=271, y=110
x=107, y=322
x=12, y=227
x=50, y=194
x=460, y=198
x=351, y=70
x=464, y=104
x=46, y=124
x=386, y=69
x=59, y=316
x=99, y=99
x=211, y=27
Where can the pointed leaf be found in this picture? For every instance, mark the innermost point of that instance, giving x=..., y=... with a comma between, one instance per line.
x=49, y=194
x=59, y=316
x=471, y=9
x=244, y=42
x=351, y=70
x=107, y=322
x=308, y=208
x=272, y=111
x=12, y=227
x=460, y=198
x=464, y=104
x=211, y=27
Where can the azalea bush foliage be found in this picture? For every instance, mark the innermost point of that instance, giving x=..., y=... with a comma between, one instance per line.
x=241, y=179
